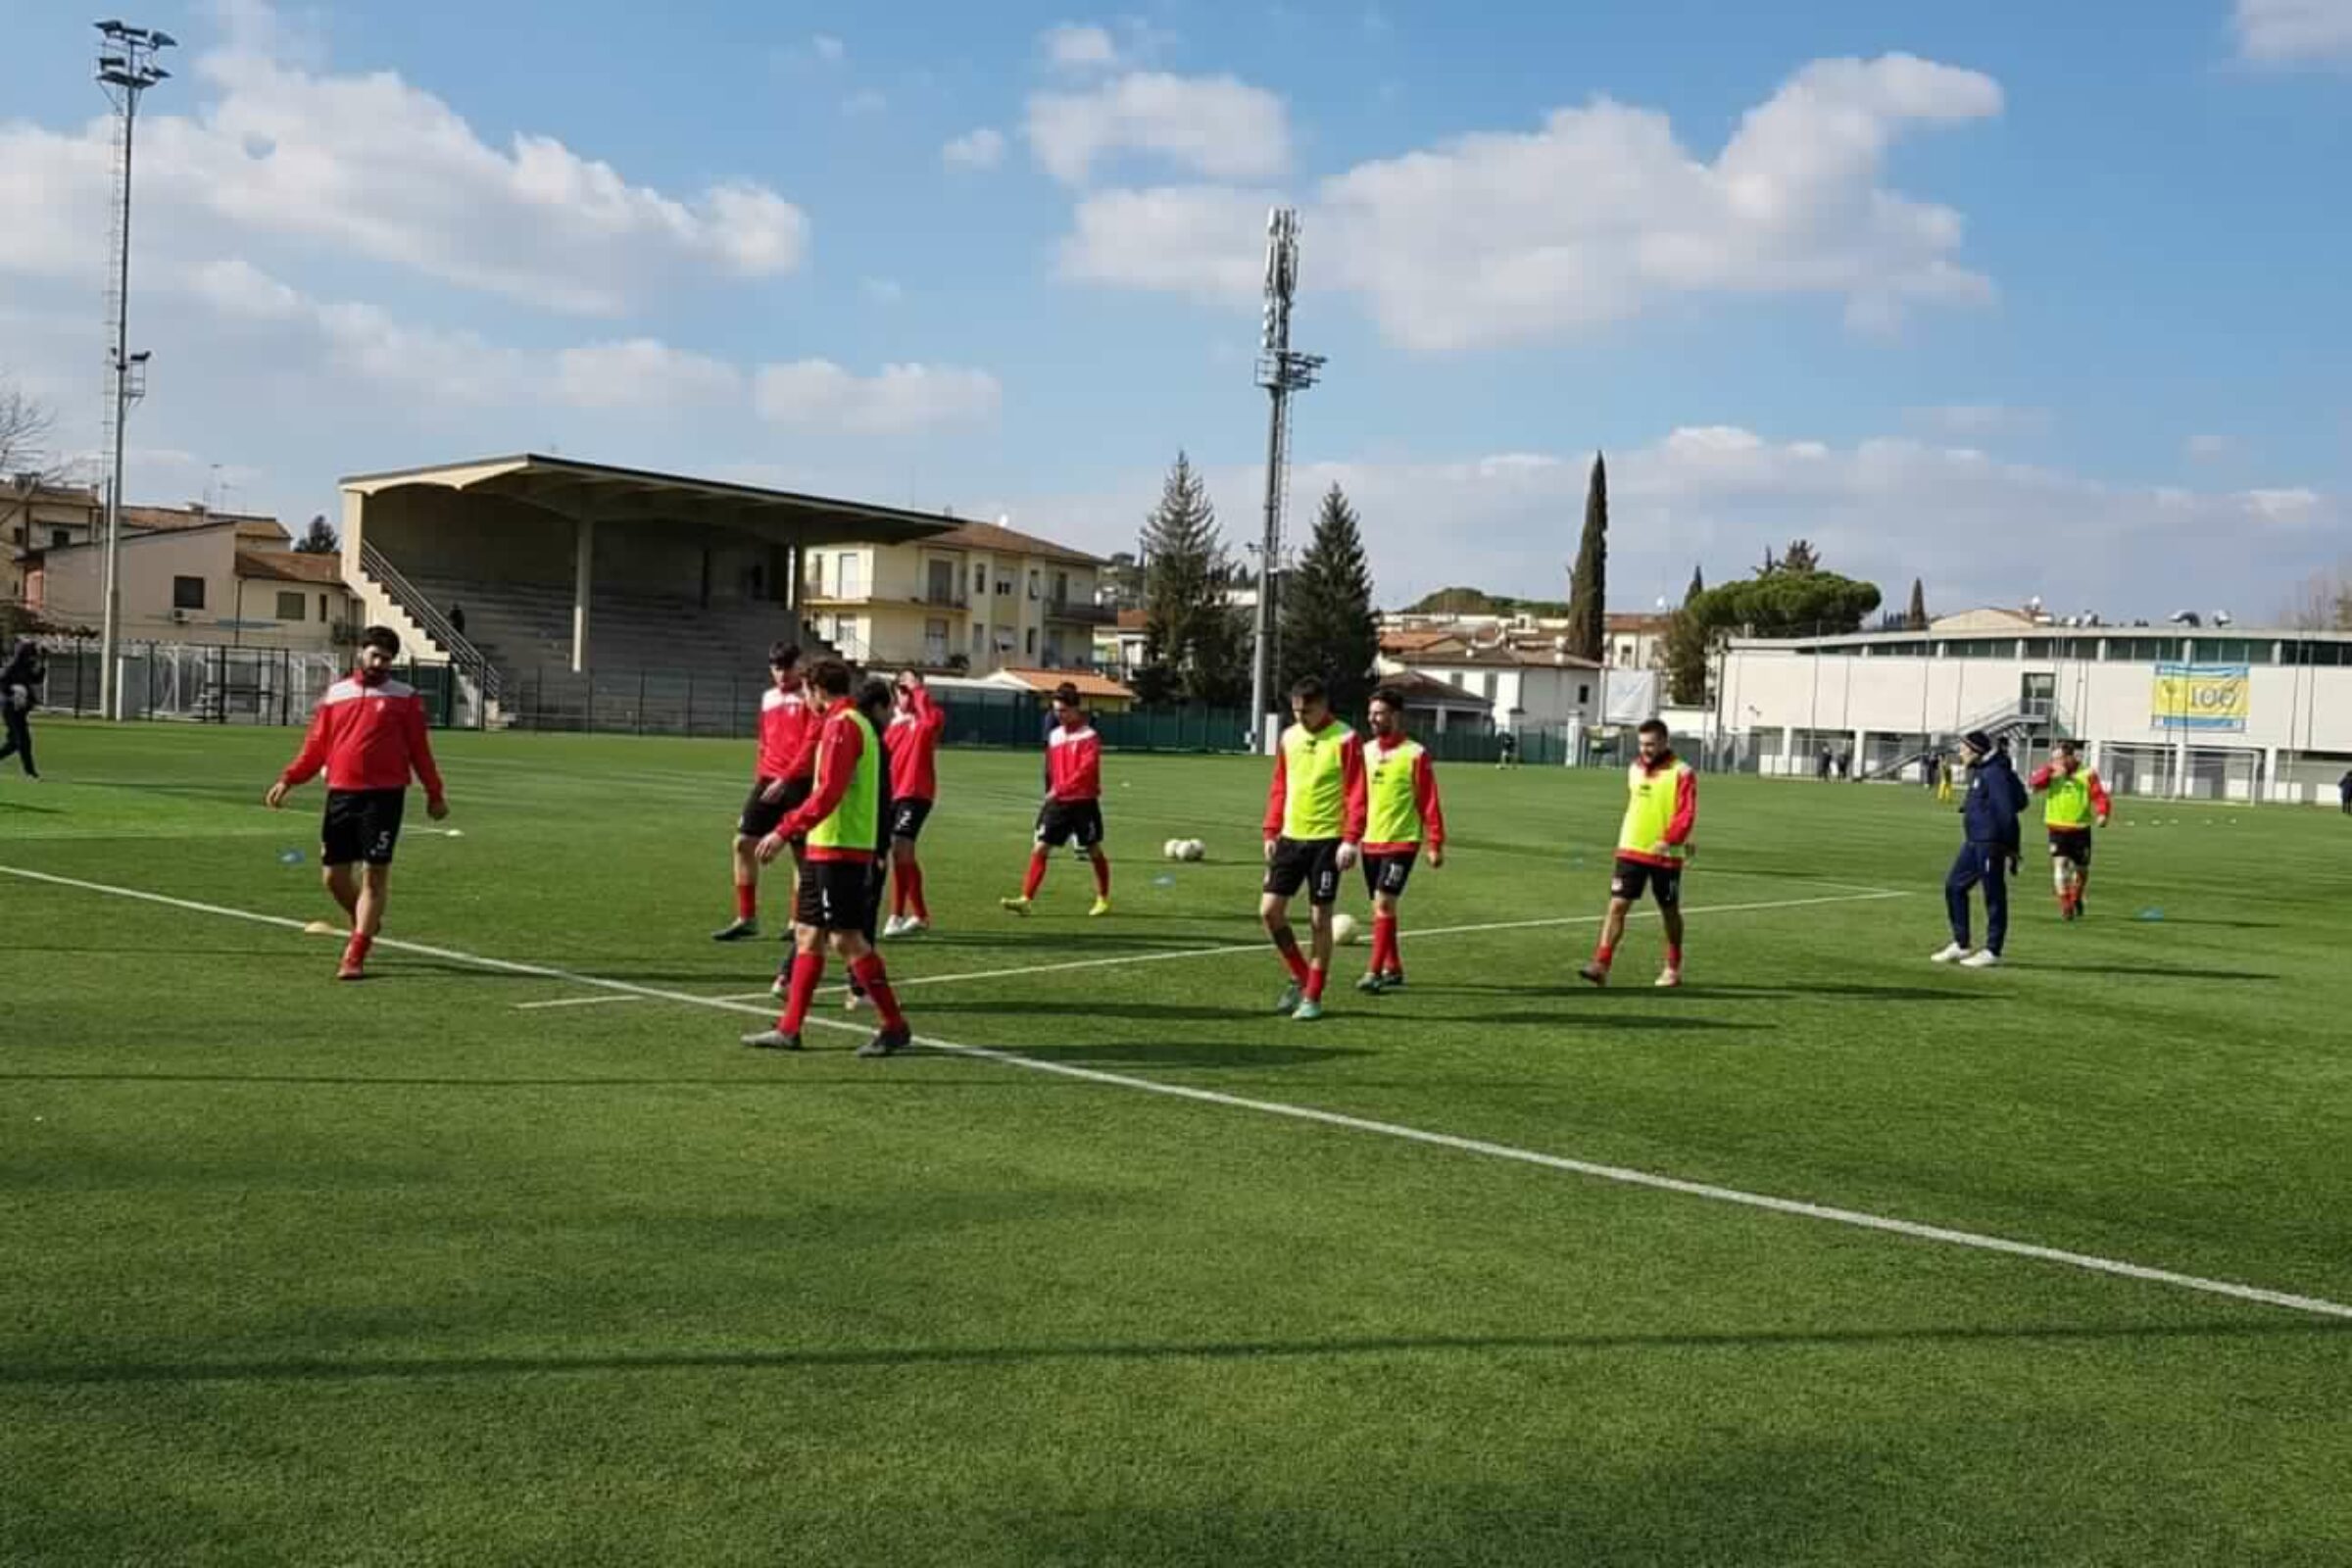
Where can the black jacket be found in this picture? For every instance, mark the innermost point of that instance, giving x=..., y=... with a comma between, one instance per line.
x=1994, y=800
x=26, y=667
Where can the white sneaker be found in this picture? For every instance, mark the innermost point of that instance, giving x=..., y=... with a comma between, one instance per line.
x=782, y=988
x=851, y=1003
x=1954, y=952
x=1982, y=959
x=915, y=926
x=894, y=926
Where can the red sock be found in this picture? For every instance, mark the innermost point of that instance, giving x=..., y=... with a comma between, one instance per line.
x=1314, y=983
x=869, y=973
x=746, y=901
x=1384, y=946
x=1604, y=955
x=1102, y=874
x=807, y=968
x=910, y=892
x=1288, y=946
x=356, y=950
x=1674, y=958
x=1037, y=874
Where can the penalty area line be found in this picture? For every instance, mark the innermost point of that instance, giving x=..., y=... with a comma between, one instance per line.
x=1621, y=1175
x=1863, y=896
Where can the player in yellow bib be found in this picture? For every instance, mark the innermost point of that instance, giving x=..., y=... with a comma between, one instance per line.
x=1314, y=822
x=1661, y=812
x=1401, y=786
x=2073, y=799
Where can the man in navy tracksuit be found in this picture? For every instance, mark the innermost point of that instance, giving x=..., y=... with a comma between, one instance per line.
x=1989, y=809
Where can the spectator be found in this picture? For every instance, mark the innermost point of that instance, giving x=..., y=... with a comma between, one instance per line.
x=2344, y=790
x=1823, y=764
x=456, y=617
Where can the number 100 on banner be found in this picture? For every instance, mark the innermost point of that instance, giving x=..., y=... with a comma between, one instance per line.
x=2201, y=697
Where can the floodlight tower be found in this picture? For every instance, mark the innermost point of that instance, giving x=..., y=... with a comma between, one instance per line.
x=127, y=68
x=1281, y=372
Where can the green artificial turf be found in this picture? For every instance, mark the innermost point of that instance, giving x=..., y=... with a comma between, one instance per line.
x=408, y=1273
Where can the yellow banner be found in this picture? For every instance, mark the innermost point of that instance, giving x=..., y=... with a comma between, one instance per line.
x=2201, y=697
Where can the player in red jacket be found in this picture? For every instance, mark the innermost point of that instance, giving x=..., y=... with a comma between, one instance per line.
x=788, y=727
x=369, y=736
x=914, y=746
x=1073, y=808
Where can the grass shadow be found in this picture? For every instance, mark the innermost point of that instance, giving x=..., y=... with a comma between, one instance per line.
x=2152, y=971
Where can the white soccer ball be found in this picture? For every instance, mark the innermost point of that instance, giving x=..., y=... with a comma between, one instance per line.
x=1192, y=849
x=1171, y=849
x=1345, y=930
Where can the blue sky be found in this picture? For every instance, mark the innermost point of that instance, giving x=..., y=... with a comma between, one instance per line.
x=2022, y=299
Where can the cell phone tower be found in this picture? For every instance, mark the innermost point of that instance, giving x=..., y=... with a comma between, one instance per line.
x=1281, y=370
x=127, y=68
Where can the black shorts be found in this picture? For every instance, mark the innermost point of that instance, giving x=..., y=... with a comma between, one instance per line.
x=361, y=825
x=907, y=816
x=1633, y=878
x=1060, y=823
x=2071, y=844
x=759, y=817
x=1311, y=863
x=1388, y=873
x=837, y=895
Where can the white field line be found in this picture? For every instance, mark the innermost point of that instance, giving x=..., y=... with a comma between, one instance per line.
x=1621, y=1175
x=1865, y=897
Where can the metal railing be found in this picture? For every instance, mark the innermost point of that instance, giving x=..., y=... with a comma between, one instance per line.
x=462, y=654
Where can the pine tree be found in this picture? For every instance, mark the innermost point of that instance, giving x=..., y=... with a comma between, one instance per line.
x=1698, y=586
x=1917, y=620
x=1587, y=595
x=319, y=539
x=1328, y=627
x=1801, y=556
x=1193, y=643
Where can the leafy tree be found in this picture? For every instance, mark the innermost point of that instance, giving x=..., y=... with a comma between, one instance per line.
x=1193, y=644
x=1328, y=626
x=1917, y=620
x=1587, y=587
x=319, y=539
x=1801, y=556
x=1779, y=604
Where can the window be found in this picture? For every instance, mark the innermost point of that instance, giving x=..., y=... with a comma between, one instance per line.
x=58, y=538
x=15, y=535
x=1062, y=587
x=322, y=610
x=979, y=580
x=2038, y=648
x=289, y=605
x=187, y=593
x=1003, y=587
x=935, y=642
x=1037, y=580
x=816, y=573
x=1486, y=685
x=847, y=577
x=2237, y=651
x=977, y=636
x=1584, y=694
x=1030, y=647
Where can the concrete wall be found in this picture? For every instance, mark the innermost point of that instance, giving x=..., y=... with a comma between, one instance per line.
x=73, y=591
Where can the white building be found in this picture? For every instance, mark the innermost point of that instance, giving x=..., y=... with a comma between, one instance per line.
x=2220, y=714
x=1522, y=686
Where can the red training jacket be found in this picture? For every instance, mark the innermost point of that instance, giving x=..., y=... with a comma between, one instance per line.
x=367, y=738
x=1074, y=764
x=788, y=723
x=1425, y=796
x=915, y=748
x=839, y=746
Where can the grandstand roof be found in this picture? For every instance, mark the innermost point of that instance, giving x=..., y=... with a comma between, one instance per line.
x=572, y=488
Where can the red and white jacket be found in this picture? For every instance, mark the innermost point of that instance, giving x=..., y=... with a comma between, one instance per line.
x=1074, y=764
x=788, y=726
x=914, y=746
x=367, y=738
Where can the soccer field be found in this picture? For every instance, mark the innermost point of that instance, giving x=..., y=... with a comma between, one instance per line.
x=513, y=1254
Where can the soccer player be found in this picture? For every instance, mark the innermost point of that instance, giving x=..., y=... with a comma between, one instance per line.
x=1402, y=787
x=877, y=700
x=788, y=724
x=1988, y=812
x=842, y=821
x=369, y=736
x=914, y=744
x=2072, y=796
x=1315, y=809
x=1073, y=808
x=20, y=682
x=1653, y=844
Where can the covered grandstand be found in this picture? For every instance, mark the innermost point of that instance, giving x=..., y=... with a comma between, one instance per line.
x=559, y=590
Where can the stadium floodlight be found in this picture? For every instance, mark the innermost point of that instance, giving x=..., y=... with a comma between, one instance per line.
x=127, y=68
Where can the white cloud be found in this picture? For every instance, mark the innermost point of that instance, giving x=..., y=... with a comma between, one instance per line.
x=1174, y=237
x=371, y=165
x=642, y=373
x=1975, y=529
x=2285, y=32
x=831, y=50
x=899, y=399
x=1596, y=216
x=1216, y=126
x=1073, y=46
x=977, y=149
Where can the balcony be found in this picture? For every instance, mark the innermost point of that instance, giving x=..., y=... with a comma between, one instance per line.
x=954, y=598
x=1081, y=612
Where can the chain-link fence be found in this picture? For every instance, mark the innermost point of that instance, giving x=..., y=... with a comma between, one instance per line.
x=218, y=683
